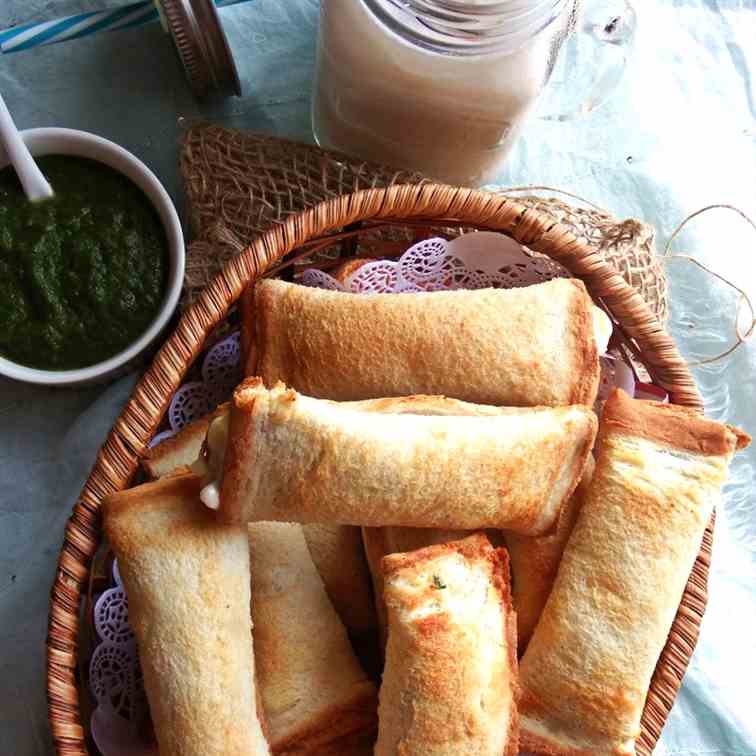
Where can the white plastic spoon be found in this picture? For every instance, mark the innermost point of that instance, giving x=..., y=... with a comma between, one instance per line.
x=36, y=186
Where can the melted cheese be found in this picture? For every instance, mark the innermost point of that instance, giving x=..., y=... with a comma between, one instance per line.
x=217, y=438
x=602, y=329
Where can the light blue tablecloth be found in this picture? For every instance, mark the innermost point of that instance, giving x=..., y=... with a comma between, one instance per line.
x=680, y=134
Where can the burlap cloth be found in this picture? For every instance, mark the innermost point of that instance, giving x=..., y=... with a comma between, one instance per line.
x=239, y=184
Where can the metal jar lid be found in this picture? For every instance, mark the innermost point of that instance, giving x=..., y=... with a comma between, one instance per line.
x=202, y=46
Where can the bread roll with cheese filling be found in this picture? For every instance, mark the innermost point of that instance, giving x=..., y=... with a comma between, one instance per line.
x=287, y=457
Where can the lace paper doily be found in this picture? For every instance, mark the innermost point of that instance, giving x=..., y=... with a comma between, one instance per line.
x=115, y=679
x=221, y=373
x=473, y=261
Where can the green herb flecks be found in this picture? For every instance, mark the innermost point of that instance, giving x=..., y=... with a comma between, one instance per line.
x=438, y=584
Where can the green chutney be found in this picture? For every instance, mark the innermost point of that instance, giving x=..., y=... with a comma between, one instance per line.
x=82, y=275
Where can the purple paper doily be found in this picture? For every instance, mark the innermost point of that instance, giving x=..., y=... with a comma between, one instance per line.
x=471, y=261
x=115, y=678
x=221, y=373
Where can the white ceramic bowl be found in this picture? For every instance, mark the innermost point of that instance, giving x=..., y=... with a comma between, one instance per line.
x=53, y=141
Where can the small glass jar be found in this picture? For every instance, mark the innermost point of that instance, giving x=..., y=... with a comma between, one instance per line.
x=440, y=86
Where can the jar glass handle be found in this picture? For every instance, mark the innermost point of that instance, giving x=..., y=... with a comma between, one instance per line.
x=589, y=57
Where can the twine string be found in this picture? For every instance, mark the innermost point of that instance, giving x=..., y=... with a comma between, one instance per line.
x=741, y=334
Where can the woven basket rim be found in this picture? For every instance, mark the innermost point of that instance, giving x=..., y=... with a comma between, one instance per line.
x=118, y=458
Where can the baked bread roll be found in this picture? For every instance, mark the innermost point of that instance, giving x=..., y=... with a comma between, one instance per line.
x=535, y=561
x=587, y=669
x=187, y=579
x=339, y=558
x=289, y=457
x=314, y=692
x=450, y=681
x=535, y=345
x=182, y=450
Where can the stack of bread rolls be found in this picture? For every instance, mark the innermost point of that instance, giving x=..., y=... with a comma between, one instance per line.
x=398, y=503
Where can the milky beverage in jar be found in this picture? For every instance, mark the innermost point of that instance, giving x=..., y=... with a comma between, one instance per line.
x=440, y=86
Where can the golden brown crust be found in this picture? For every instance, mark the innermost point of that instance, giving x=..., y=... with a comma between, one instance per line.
x=269, y=332
x=339, y=557
x=441, y=609
x=149, y=496
x=450, y=342
x=353, y=744
x=504, y=585
x=187, y=579
x=671, y=424
x=314, y=691
x=380, y=542
x=535, y=561
x=513, y=735
x=620, y=579
x=581, y=320
x=581, y=331
x=338, y=729
x=260, y=711
x=425, y=404
x=585, y=352
x=509, y=479
x=531, y=743
x=240, y=450
x=475, y=546
x=343, y=272
x=376, y=547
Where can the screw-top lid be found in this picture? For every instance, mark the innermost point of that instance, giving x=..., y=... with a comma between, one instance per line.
x=202, y=46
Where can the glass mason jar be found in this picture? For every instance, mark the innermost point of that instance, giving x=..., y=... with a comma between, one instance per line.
x=440, y=86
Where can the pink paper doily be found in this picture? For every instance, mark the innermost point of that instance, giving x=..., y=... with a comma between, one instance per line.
x=472, y=261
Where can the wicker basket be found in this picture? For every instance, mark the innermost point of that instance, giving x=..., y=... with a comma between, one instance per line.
x=426, y=205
